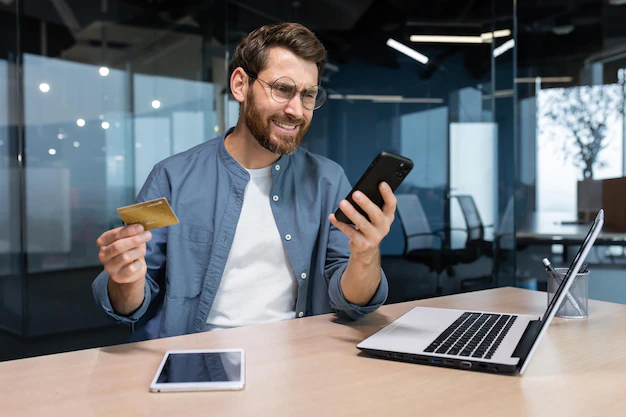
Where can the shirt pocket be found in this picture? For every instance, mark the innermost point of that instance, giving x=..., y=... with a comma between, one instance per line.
x=188, y=251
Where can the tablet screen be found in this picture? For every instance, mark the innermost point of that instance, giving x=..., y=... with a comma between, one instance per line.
x=201, y=367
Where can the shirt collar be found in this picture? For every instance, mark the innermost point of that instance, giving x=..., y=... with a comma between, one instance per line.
x=278, y=167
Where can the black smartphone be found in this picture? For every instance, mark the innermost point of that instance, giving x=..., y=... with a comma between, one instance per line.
x=387, y=167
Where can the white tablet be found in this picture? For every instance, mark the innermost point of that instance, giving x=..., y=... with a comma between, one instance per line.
x=200, y=370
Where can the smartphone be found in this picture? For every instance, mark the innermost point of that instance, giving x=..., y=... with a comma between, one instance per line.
x=387, y=167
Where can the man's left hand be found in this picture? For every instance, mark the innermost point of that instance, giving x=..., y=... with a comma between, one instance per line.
x=366, y=235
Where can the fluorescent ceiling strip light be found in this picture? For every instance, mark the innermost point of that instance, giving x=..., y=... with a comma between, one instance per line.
x=503, y=48
x=485, y=37
x=499, y=94
x=532, y=80
x=407, y=51
x=370, y=97
x=446, y=39
x=488, y=36
x=385, y=99
x=411, y=100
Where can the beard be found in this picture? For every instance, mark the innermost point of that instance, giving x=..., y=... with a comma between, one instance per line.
x=259, y=126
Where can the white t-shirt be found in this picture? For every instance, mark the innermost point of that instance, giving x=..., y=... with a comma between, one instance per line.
x=258, y=284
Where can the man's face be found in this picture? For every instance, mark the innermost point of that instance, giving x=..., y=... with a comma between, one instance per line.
x=280, y=127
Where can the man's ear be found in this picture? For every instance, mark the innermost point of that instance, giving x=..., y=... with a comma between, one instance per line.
x=239, y=84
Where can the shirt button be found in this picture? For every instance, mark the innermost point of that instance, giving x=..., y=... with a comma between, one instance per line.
x=303, y=275
x=288, y=237
x=300, y=314
x=275, y=198
x=277, y=167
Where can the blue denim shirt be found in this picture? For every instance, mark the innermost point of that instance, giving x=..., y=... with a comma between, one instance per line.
x=205, y=187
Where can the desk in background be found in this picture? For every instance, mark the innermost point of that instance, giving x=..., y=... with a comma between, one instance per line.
x=311, y=367
x=557, y=227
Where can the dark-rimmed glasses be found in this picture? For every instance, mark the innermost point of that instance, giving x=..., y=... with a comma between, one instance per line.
x=284, y=89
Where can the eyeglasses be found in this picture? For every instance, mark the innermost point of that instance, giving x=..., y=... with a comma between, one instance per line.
x=284, y=89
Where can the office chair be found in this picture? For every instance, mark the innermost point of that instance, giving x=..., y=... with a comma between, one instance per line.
x=475, y=228
x=422, y=245
x=477, y=251
x=506, y=245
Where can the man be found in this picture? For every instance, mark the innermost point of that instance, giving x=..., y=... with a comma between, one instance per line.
x=255, y=242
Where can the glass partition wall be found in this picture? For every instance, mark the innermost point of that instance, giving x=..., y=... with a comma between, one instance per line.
x=12, y=314
x=106, y=89
x=571, y=83
x=434, y=84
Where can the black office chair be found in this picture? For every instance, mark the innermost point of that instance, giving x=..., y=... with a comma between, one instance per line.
x=507, y=246
x=477, y=252
x=476, y=245
x=422, y=245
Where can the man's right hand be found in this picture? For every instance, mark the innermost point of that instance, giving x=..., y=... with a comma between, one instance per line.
x=122, y=252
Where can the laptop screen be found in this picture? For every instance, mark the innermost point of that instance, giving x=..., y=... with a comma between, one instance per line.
x=561, y=292
x=576, y=262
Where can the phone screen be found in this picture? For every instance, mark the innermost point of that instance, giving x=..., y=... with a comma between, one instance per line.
x=201, y=367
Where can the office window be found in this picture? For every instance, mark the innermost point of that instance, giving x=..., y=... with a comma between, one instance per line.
x=580, y=136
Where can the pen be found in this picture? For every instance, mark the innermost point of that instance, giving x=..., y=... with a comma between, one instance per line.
x=569, y=296
x=548, y=265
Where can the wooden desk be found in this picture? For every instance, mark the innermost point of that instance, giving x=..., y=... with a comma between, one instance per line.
x=311, y=367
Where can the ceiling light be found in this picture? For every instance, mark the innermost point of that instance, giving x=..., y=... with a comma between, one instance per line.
x=104, y=71
x=446, y=39
x=156, y=104
x=105, y=125
x=499, y=94
x=370, y=97
x=485, y=37
x=52, y=151
x=532, y=80
x=503, y=48
x=76, y=144
x=60, y=136
x=331, y=67
x=101, y=117
x=411, y=100
x=563, y=30
x=407, y=51
x=488, y=36
x=385, y=99
x=44, y=87
x=80, y=122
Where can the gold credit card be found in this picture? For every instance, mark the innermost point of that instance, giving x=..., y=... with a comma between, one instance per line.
x=151, y=214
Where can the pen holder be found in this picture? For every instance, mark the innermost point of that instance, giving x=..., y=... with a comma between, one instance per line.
x=576, y=302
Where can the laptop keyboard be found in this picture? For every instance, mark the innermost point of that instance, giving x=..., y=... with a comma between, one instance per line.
x=475, y=335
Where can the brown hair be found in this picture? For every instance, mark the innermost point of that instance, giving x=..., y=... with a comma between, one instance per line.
x=252, y=52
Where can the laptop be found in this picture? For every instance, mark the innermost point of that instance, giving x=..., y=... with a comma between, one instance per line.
x=473, y=340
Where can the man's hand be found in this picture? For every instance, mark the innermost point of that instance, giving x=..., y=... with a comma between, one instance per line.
x=362, y=276
x=366, y=236
x=122, y=252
